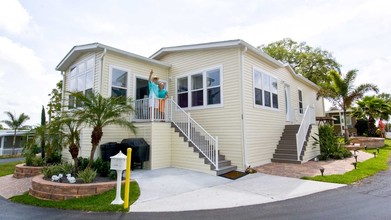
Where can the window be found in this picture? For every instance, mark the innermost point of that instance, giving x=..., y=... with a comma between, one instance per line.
x=119, y=82
x=265, y=90
x=301, y=110
x=81, y=78
x=200, y=89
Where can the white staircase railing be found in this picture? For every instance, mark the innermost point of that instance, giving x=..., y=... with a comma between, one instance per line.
x=308, y=119
x=144, y=110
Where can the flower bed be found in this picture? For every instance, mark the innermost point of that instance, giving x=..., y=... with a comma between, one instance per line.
x=44, y=189
x=22, y=171
x=370, y=142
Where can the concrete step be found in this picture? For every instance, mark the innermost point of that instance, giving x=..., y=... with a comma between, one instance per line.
x=226, y=169
x=286, y=161
x=286, y=156
x=222, y=163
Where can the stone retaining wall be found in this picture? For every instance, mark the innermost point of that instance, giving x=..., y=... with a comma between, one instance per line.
x=22, y=171
x=370, y=142
x=44, y=189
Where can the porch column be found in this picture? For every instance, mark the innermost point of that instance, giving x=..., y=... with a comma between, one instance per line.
x=1, y=145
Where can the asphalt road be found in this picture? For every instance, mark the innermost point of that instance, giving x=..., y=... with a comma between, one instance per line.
x=7, y=160
x=370, y=199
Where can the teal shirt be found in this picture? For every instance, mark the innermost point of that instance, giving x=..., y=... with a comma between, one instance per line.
x=153, y=89
x=162, y=94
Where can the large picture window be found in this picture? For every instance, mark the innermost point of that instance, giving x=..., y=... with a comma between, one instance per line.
x=200, y=89
x=119, y=82
x=81, y=79
x=265, y=90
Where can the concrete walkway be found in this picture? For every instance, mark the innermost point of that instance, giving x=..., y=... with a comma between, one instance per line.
x=10, y=186
x=173, y=189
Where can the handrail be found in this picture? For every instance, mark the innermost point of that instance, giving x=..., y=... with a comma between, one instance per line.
x=308, y=119
x=193, y=131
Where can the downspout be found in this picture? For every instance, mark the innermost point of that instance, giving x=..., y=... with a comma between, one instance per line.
x=101, y=71
x=244, y=133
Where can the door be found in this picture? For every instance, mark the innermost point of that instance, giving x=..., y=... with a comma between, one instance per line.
x=288, y=107
x=141, y=88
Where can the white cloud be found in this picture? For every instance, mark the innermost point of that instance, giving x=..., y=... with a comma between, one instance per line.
x=376, y=72
x=24, y=83
x=13, y=17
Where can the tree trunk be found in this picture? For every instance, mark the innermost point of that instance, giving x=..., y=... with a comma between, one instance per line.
x=345, y=127
x=96, y=136
x=74, y=150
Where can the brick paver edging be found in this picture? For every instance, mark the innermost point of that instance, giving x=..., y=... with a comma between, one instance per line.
x=44, y=189
x=22, y=171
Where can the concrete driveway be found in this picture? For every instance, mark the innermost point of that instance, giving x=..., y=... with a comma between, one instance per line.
x=173, y=189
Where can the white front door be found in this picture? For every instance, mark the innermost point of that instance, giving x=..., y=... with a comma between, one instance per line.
x=288, y=107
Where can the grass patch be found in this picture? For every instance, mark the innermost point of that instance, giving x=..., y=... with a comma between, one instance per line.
x=8, y=168
x=97, y=203
x=364, y=169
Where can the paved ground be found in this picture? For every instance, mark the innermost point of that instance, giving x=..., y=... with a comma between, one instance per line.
x=173, y=189
x=311, y=168
x=10, y=186
x=7, y=160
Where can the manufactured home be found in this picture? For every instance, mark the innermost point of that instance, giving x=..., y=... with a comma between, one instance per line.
x=231, y=106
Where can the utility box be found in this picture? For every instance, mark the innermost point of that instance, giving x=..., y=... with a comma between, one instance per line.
x=118, y=162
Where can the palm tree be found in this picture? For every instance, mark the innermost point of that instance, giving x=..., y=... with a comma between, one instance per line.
x=372, y=108
x=342, y=93
x=15, y=123
x=99, y=112
x=70, y=129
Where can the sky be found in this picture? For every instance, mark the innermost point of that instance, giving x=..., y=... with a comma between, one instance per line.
x=36, y=34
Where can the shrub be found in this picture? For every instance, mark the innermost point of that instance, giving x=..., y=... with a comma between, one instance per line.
x=49, y=171
x=87, y=175
x=54, y=158
x=362, y=127
x=37, y=162
x=82, y=162
x=113, y=175
x=330, y=145
x=101, y=167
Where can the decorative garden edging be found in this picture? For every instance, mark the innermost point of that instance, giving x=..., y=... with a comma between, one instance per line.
x=370, y=142
x=44, y=189
x=22, y=171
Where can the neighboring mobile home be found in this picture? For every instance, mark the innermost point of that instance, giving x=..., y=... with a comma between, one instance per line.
x=7, y=139
x=235, y=105
x=339, y=125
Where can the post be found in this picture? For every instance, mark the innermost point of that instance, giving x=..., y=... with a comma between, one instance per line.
x=217, y=152
x=188, y=127
x=153, y=109
x=118, y=200
x=127, y=180
x=171, y=109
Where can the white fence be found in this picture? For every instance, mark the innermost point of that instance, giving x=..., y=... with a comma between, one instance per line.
x=308, y=119
x=168, y=110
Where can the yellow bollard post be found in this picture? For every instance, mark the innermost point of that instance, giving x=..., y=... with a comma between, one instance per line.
x=127, y=180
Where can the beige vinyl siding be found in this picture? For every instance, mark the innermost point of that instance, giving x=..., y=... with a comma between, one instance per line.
x=225, y=121
x=184, y=156
x=135, y=67
x=264, y=126
x=311, y=149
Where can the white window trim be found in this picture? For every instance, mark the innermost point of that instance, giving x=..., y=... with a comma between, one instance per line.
x=69, y=78
x=139, y=76
x=205, y=101
x=302, y=100
x=262, y=71
x=111, y=67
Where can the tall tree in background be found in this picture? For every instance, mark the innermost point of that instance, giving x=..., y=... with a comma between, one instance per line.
x=55, y=103
x=312, y=63
x=341, y=92
x=43, y=123
x=372, y=108
x=15, y=123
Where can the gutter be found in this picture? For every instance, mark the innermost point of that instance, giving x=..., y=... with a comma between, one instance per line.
x=101, y=70
x=243, y=124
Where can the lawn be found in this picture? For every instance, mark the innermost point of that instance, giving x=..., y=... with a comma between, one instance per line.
x=9, y=168
x=364, y=169
x=97, y=203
